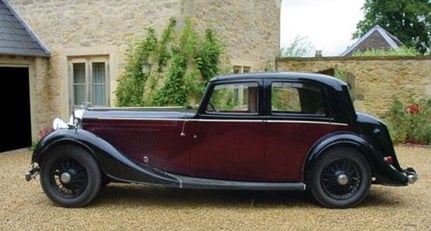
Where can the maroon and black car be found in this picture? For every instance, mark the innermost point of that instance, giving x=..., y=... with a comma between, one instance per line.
x=256, y=131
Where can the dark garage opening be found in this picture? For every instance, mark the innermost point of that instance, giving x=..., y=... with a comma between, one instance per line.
x=15, y=108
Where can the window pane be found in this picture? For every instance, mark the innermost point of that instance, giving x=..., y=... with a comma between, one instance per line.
x=285, y=98
x=99, y=72
x=234, y=98
x=296, y=98
x=236, y=69
x=79, y=94
x=79, y=73
x=79, y=85
x=98, y=89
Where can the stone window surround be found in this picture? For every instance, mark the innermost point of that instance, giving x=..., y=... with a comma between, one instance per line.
x=111, y=53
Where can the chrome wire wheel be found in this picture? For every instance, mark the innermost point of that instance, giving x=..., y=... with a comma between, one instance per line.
x=340, y=178
x=68, y=177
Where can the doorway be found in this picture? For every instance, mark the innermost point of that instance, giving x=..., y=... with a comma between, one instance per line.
x=15, y=118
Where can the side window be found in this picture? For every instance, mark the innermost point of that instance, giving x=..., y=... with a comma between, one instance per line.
x=237, y=98
x=296, y=98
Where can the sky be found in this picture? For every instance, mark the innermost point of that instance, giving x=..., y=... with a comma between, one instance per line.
x=327, y=24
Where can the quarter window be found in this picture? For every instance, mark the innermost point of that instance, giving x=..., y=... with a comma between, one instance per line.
x=296, y=98
x=89, y=79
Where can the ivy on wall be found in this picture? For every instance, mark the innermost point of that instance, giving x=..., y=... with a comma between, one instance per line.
x=183, y=61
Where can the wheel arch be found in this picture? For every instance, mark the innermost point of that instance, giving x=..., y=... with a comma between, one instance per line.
x=46, y=146
x=40, y=157
x=111, y=161
x=339, y=140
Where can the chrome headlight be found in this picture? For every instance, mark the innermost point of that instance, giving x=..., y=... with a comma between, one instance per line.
x=59, y=123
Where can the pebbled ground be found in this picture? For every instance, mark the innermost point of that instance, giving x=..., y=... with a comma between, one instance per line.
x=24, y=206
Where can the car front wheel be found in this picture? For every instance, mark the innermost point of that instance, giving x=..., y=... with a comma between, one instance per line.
x=341, y=178
x=70, y=176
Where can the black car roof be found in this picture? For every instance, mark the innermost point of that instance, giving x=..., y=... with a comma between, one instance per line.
x=302, y=76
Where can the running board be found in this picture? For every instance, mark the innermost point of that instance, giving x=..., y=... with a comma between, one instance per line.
x=205, y=183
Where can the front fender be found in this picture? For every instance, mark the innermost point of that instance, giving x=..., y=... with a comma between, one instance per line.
x=110, y=160
x=382, y=171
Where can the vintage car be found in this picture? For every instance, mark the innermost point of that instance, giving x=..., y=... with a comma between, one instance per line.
x=255, y=131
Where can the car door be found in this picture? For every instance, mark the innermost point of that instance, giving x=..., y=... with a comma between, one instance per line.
x=298, y=116
x=229, y=139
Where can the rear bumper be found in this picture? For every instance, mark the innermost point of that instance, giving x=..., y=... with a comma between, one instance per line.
x=388, y=174
x=411, y=175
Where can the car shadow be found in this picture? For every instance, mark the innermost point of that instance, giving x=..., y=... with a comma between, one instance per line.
x=139, y=195
x=379, y=197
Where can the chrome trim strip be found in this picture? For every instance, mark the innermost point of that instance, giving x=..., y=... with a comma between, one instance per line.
x=307, y=122
x=229, y=120
x=135, y=118
x=225, y=120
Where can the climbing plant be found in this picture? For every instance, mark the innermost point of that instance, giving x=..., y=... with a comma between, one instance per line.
x=182, y=61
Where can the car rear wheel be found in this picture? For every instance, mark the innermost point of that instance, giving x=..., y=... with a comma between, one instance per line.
x=70, y=176
x=341, y=178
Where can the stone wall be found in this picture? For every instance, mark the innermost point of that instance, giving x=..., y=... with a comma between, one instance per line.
x=41, y=104
x=249, y=29
x=378, y=81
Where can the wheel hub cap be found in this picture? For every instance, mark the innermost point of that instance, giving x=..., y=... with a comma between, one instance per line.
x=65, y=178
x=342, y=179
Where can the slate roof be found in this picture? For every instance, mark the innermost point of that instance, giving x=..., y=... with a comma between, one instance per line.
x=16, y=37
x=376, y=38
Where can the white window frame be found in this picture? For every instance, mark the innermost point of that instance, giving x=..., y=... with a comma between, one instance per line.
x=88, y=62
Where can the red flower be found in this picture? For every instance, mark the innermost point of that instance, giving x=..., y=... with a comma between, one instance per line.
x=43, y=132
x=412, y=109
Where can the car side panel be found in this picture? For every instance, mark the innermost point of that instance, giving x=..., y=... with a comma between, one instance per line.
x=156, y=143
x=228, y=149
x=288, y=143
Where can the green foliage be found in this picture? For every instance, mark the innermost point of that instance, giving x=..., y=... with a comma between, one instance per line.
x=182, y=63
x=299, y=47
x=408, y=20
x=403, y=51
x=411, y=123
x=339, y=75
x=131, y=84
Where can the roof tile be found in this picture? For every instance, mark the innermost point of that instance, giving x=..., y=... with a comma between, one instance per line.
x=16, y=38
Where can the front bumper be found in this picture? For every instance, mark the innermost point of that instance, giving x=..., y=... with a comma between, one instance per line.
x=32, y=173
x=411, y=175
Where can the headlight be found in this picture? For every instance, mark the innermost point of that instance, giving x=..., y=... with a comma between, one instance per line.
x=59, y=123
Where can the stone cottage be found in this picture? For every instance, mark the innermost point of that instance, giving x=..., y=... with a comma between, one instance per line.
x=83, y=44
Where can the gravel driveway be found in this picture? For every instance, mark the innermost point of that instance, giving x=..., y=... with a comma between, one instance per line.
x=24, y=206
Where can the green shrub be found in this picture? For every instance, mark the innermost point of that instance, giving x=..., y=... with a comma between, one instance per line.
x=410, y=123
x=402, y=51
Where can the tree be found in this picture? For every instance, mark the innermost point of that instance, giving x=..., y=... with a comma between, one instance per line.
x=299, y=47
x=408, y=20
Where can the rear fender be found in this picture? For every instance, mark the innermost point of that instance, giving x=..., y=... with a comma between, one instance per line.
x=343, y=139
x=383, y=172
x=111, y=161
